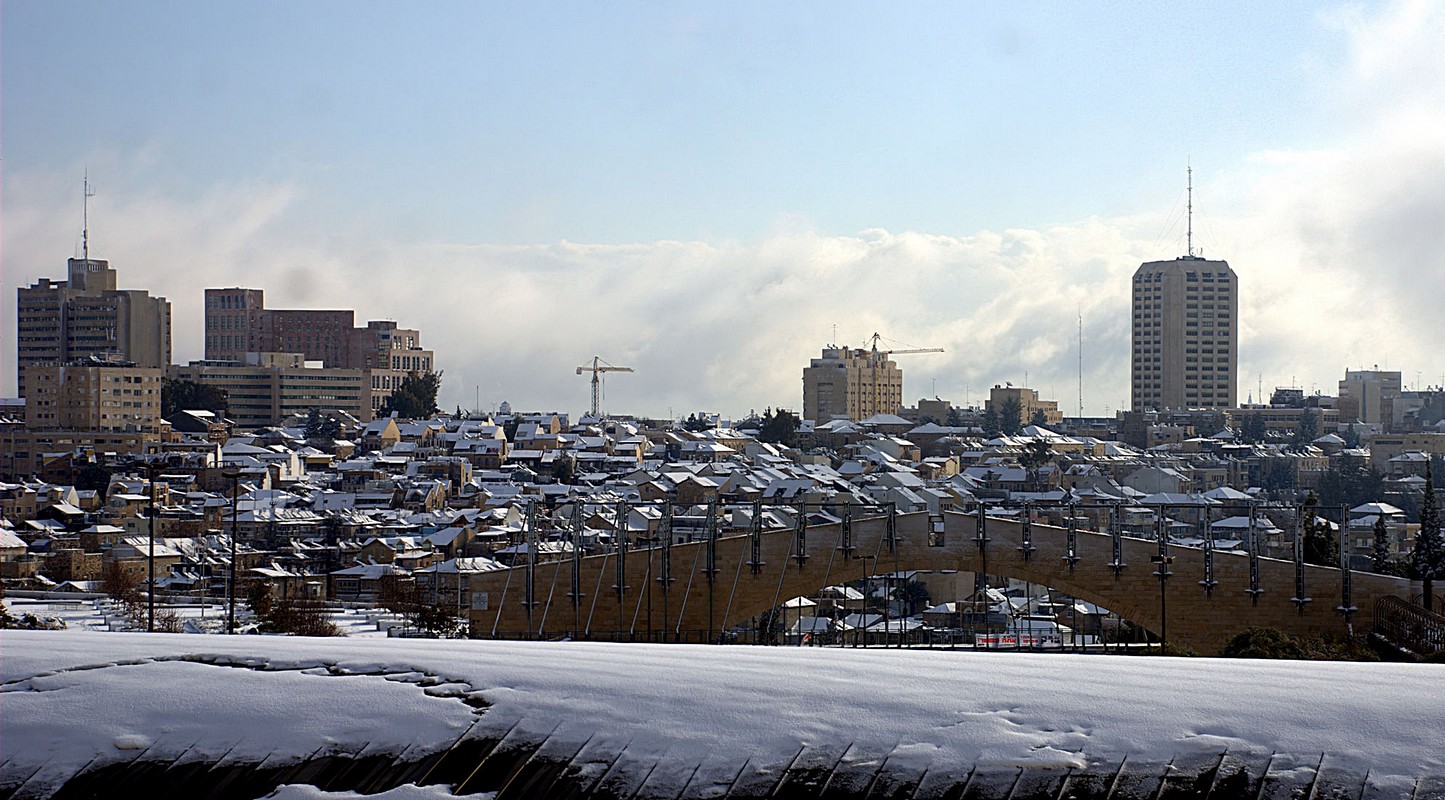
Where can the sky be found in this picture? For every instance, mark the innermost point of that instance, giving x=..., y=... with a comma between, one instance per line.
x=710, y=194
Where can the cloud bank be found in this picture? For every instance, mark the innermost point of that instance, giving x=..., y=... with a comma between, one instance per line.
x=1338, y=248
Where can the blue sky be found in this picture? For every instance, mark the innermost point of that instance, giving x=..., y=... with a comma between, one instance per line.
x=631, y=179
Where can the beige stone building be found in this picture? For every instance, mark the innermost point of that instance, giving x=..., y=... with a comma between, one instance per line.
x=1369, y=395
x=274, y=386
x=86, y=316
x=1029, y=402
x=93, y=397
x=1185, y=350
x=852, y=383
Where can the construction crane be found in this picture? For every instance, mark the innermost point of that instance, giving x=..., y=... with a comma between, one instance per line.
x=598, y=367
x=878, y=358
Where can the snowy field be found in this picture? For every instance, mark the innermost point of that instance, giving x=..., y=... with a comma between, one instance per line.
x=694, y=716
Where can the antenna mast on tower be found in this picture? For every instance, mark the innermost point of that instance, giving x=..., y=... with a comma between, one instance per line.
x=85, y=220
x=1189, y=234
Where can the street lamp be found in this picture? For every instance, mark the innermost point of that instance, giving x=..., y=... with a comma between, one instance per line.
x=234, y=475
x=151, y=558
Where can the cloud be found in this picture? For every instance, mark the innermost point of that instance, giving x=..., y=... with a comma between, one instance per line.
x=1338, y=248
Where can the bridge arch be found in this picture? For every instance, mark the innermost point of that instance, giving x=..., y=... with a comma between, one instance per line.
x=754, y=573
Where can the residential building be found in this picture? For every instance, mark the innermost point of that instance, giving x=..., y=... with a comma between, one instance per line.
x=238, y=323
x=86, y=316
x=119, y=397
x=852, y=383
x=1028, y=400
x=1369, y=395
x=1185, y=350
x=269, y=387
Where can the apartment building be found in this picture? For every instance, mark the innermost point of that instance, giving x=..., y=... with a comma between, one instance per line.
x=86, y=316
x=266, y=388
x=1185, y=335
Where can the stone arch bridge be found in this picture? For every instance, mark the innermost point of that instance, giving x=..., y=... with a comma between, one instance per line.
x=693, y=591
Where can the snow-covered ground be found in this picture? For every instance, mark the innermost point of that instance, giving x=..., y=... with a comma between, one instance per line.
x=104, y=614
x=72, y=698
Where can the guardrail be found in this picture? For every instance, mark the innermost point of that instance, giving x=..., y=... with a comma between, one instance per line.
x=1409, y=626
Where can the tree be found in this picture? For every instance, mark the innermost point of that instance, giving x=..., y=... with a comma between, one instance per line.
x=1380, y=554
x=1350, y=485
x=779, y=428
x=1011, y=416
x=181, y=395
x=1351, y=436
x=1427, y=561
x=990, y=422
x=94, y=476
x=1307, y=430
x=955, y=418
x=293, y=616
x=696, y=423
x=415, y=397
x=1252, y=430
x=1038, y=419
x=1036, y=454
x=321, y=426
x=564, y=469
x=912, y=594
x=1320, y=545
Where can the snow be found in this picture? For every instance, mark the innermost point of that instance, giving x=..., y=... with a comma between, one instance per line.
x=75, y=697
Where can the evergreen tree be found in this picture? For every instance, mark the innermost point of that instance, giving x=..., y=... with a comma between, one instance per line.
x=779, y=428
x=190, y=395
x=1428, y=558
x=955, y=418
x=1011, y=417
x=1038, y=419
x=1320, y=545
x=416, y=397
x=1380, y=554
x=1253, y=429
x=1307, y=430
x=990, y=422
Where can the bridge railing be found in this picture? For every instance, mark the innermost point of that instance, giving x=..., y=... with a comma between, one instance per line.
x=1408, y=626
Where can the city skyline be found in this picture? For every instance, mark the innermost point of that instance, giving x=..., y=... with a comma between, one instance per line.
x=728, y=187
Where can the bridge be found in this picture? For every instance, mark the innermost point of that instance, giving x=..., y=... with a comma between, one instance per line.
x=696, y=590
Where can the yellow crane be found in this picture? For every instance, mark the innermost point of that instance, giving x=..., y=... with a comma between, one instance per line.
x=598, y=367
x=877, y=358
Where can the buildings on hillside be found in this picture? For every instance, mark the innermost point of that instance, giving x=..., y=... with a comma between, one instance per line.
x=1185, y=351
x=84, y=317
x=266, y=388
x=1369, y=395
x=238, y=323
x=109, y=407
x=852, y=383
x=1028, y=402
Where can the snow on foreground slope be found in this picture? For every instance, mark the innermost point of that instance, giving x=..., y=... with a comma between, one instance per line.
x=75, y=698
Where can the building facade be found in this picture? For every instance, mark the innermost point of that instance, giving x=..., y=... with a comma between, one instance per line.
x=1185, y=338
x=269, y=387
x=238, y=323
x=1369, y=395
x=852, y=383
x=1029, y=402
x=85, y=317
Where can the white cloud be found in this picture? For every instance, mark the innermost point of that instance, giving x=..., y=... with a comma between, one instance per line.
x=1339, y=251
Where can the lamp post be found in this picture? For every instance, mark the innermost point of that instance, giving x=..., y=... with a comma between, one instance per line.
x=234, y=475
x=151, y=557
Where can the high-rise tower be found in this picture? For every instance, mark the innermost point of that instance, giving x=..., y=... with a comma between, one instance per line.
x=1185, y=333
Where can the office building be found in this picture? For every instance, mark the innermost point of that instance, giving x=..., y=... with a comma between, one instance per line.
x=238, y=324
x=266, y=388
x=85, y=317
x=1185, y=350
x=1369, y=395
x=852, y=383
